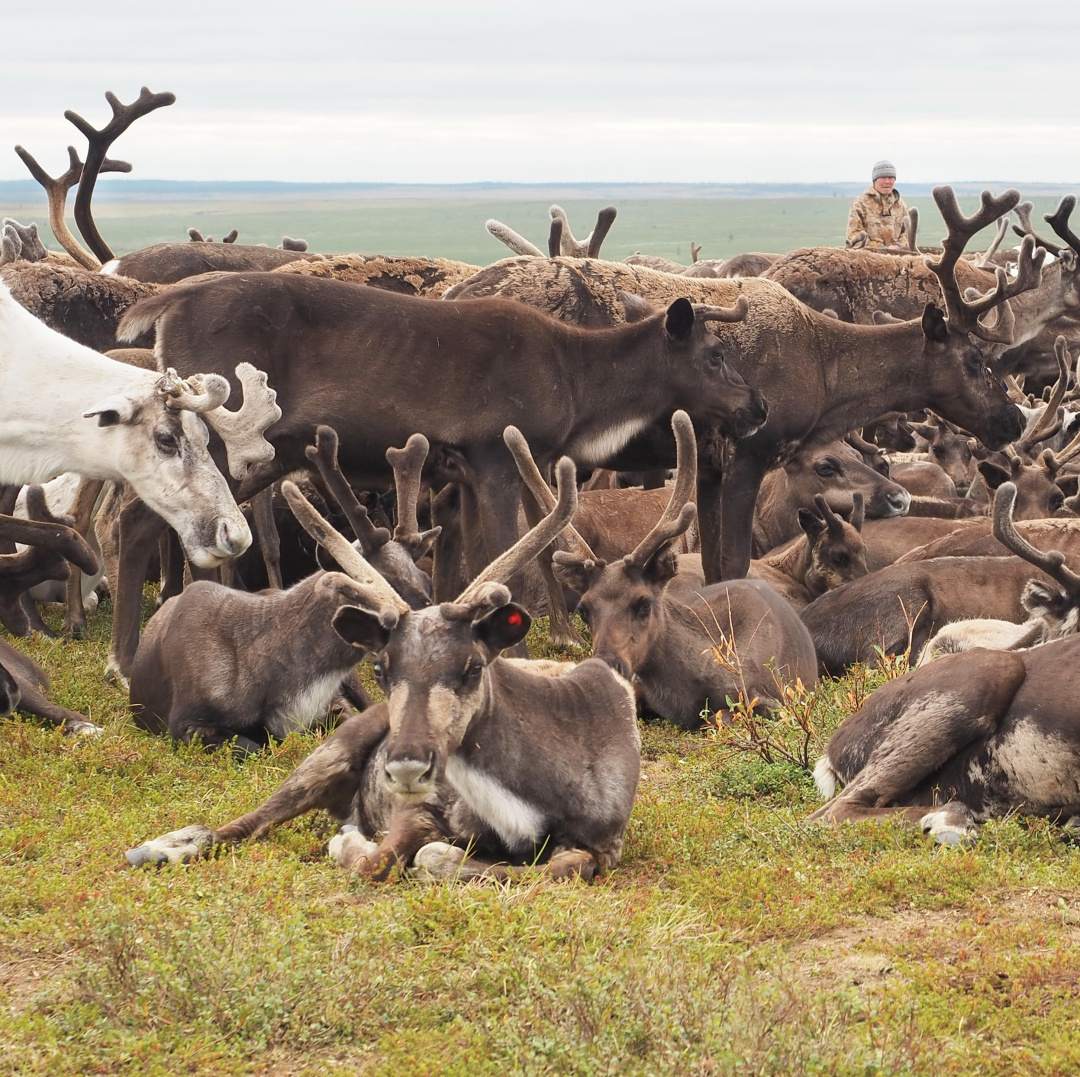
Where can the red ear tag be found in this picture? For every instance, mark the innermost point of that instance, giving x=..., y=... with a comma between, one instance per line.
x=514, y=619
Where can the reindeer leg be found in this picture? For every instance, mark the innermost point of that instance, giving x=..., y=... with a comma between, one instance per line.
x=83, y=512
x=447, y=578
x=328, y=779
x=70, y=722
x=439, y=860
x=266, y=532
x=727, y=516
x=412, y=827
x=911, y=728
x=140, y=527
x=173, y=565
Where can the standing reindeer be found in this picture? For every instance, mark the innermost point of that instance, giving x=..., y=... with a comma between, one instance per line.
x=517, y=760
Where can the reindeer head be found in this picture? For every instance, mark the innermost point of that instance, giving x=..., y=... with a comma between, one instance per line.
x=433, y=664
x=959, y=346
x=622, y=602
x=950, y=448
x=837, y=551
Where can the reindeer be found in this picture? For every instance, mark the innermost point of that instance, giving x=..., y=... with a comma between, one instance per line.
x=969, y=737
x=517, y=761
x=225, y=666
x=148, y=430
x=1054, y=611
x=824, y=377
x=830, y=552
x=688, y=654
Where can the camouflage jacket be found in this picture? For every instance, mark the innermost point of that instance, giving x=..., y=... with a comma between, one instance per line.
x=877, y=220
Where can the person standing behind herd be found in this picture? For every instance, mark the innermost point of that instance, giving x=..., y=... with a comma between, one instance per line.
x=878, y=216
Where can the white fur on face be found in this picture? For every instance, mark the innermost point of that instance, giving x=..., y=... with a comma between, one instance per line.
x=518, y=823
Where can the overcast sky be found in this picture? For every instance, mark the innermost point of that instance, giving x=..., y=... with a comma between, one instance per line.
x=469, y=90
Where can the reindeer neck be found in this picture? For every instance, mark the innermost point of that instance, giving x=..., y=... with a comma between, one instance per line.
x=794, y=558
x=870, y=370
x=1033, y=309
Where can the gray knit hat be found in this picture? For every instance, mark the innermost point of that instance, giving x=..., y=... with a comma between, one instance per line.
x=884, y=168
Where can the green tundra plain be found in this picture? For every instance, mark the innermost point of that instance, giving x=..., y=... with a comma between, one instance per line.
x=732, y=938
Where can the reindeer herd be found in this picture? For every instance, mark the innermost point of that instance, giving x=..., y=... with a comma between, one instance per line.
x=873, y=453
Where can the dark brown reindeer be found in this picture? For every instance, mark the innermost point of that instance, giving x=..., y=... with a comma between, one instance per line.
x=835, y=471
x=1054, y=611
x=517, y=761
x=23, y=684
x=824, y=377
x=456, y=372
x=969, y=737
x=224, y=666
x=666, y=642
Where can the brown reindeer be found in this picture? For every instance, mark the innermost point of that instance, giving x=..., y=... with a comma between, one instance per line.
x=688, y=654
x=970, y=737
x=1054, y=611
x=514, y=761
x=824, y=377
x=206, y=667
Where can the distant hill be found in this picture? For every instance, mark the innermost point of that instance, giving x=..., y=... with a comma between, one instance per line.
x=137, y=190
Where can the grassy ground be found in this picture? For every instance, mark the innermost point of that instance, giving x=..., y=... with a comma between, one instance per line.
x=732, y=939
x=455, y=229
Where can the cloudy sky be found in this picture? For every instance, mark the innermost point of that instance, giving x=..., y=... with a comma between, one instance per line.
x=469, y=90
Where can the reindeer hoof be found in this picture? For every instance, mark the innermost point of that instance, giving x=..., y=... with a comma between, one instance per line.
x=176, y=847
x=114, y=676
x=348, y=846
x=438, y=860
x=946, y=829
x=81, y=729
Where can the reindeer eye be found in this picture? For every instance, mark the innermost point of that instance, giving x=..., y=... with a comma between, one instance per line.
x=939, y=452
x=166, y=444
x=643, y=609
x=716, y=357
x=473, y=669
x=380, y=673
x=841, y=560
x=826, y=469
x=584, y=613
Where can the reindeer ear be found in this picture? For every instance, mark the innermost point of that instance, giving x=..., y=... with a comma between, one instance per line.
x=112, y=411
x=680, y=319
x=993, y=474
x=662, y=566
x=502, y=627
x=360, y=629
x=1039, y=597
x=574, y=571
x=934, y=326
x=811, y=523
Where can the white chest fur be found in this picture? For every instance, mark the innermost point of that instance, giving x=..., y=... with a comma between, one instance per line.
x=517, y=822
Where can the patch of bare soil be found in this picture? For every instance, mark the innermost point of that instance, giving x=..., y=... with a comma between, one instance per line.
x=22, y=976
x=860, y=954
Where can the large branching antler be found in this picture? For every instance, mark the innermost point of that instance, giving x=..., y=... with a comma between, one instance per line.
x=680, y=512
x=538, y=487
x=1059, y=221
x=1049, y=423
x=1052, y=562
x=964, y=314
x=324, y=455
x=381, y=597
x=507, y=565
x=56, y=191
x=99, y=142
x=1025, y=228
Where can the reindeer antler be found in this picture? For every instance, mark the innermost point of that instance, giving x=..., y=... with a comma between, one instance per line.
x=243, y=430
x=408, y=465
x=563, y=241
x=383, y=598
x=99, y=142
x=536, y=484
x=983, y=261
x=323, y=454
x=199, y=393
x=1052, y=562
x=964, y=314
x=1049, y=423
x=680, y=511
x=56, y=191
x=913, y=229
x=736, y=313
x=1059, y=221
x=1025, y=228
x=529, y=545
x=518, y=244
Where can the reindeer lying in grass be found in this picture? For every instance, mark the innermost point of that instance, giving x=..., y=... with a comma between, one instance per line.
x=520, y=761
x=227, y=666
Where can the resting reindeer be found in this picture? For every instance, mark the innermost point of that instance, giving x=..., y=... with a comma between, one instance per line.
x=969, y=737
x=228, y=666
x=521, y=760
x=665, y=642
x=23, y=684
x=1054, y=610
